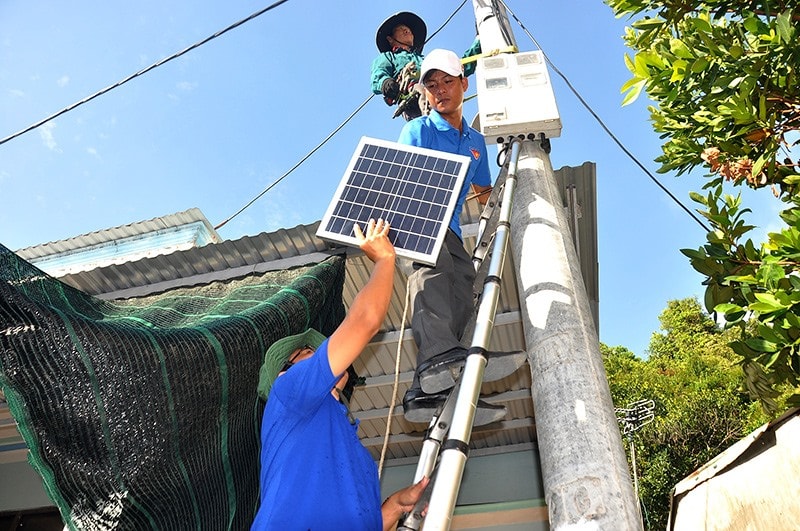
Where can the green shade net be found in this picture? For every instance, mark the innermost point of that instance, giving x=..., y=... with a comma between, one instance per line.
x=143, y=414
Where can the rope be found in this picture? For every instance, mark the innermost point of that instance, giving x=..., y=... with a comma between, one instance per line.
x=396, y=382
x=497, y=51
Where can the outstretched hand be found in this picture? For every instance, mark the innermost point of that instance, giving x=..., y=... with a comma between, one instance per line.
x=375, y=242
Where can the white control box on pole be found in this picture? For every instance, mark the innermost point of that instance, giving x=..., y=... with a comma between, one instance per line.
x=515, y=96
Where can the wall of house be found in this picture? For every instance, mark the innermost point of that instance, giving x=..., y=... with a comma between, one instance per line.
x=21, y=488
x=500, y=492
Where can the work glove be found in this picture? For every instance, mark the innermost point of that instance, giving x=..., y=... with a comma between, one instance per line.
x=390, y=90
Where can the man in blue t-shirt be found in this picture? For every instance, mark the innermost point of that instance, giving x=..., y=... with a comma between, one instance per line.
x=315, y=473
x=442, y=294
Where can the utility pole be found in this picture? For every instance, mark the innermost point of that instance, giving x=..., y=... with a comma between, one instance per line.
x=584, y=471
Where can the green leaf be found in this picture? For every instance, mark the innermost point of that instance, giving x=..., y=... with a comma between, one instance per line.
x=767, y=302
x=761, y=345
x=649, y=23
x=758, y=165
x=769, y=299
x=793, y=319
x=680, y=49
x=698, y=198
x=700, y=65
x=770, y=275
x=732, y=312
x=773, y=359
x=785, y=29
x=629, y=63
x=678, y=70
x=633, y=93
x=694, y=254
x=727, y=307
x=742, y=349
x=755, y=26
x=701, y=24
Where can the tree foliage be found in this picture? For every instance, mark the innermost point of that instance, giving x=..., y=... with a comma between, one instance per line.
x=724, y=78
x=700, y=407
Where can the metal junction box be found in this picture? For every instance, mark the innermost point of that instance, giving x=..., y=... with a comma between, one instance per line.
x=515, y=96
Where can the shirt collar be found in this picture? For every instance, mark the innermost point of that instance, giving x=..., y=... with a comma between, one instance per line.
x=443, y=125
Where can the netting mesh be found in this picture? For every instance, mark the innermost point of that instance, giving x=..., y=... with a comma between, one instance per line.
x=143, y=414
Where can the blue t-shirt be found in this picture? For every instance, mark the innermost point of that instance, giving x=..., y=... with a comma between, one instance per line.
x=315, y=473
x=434, y=132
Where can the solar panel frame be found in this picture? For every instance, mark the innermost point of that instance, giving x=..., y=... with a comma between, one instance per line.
x=415, y=189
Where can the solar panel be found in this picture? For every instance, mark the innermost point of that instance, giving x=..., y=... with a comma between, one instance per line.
x=414, y=189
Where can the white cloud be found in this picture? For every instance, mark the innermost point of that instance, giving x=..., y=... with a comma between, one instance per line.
x=93, y=152
x=186, y=85
x=16, y=93
x=63, y=81
x=46, y=133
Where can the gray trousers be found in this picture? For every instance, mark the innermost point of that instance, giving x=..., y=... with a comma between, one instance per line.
x=442, y=300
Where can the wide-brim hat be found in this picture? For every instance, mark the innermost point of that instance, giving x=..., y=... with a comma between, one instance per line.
x=278, y=354
x=414, y=23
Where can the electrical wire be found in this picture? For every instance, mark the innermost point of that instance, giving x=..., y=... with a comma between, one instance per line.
x=603, y=125
x=141, y=72
x=504, y=30
x=446, y=22
x=297, y=165
x=192, y=47
x=327, y=138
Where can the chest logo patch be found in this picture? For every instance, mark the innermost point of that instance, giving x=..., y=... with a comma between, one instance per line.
x=475, y=153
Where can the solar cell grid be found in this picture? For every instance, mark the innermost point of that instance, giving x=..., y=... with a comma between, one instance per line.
x=414, y=189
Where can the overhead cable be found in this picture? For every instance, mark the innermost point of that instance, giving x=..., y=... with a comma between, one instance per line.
x=327, y=138
x=603, y=125
x=297, y=165
x=141, y=72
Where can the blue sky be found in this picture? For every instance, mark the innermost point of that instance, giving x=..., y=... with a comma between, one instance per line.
x=214, y=127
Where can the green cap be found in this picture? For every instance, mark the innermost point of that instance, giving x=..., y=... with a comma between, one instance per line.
x=278, y=354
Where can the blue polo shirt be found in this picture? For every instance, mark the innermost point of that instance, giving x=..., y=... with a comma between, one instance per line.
x=315, y=473
x=434, y=132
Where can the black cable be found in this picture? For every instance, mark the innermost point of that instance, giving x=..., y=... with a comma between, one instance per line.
x=308, y=155
x=446, y=22
x=504, y=30
x=268, y=188
x=141, y=72
x=603, y=125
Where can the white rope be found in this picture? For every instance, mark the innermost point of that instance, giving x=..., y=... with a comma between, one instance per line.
x=396, y=384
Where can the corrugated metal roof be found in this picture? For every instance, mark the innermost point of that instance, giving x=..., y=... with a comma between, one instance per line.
x=290, y=247
x=91, y=239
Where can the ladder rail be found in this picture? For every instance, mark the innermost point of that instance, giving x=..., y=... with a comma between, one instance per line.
x=454, y=455
x=456, y=419
x=428, y=457
x=482, y=250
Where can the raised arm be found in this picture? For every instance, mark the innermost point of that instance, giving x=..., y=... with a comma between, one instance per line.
x=366, y=314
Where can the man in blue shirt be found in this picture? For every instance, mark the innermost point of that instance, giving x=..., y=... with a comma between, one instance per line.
x=315, y=473
x=442, y=295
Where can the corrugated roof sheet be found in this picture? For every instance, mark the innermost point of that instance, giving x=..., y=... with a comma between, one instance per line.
x=290, y=247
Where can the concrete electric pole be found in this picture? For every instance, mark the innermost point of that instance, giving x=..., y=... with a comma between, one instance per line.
x=585, y=474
